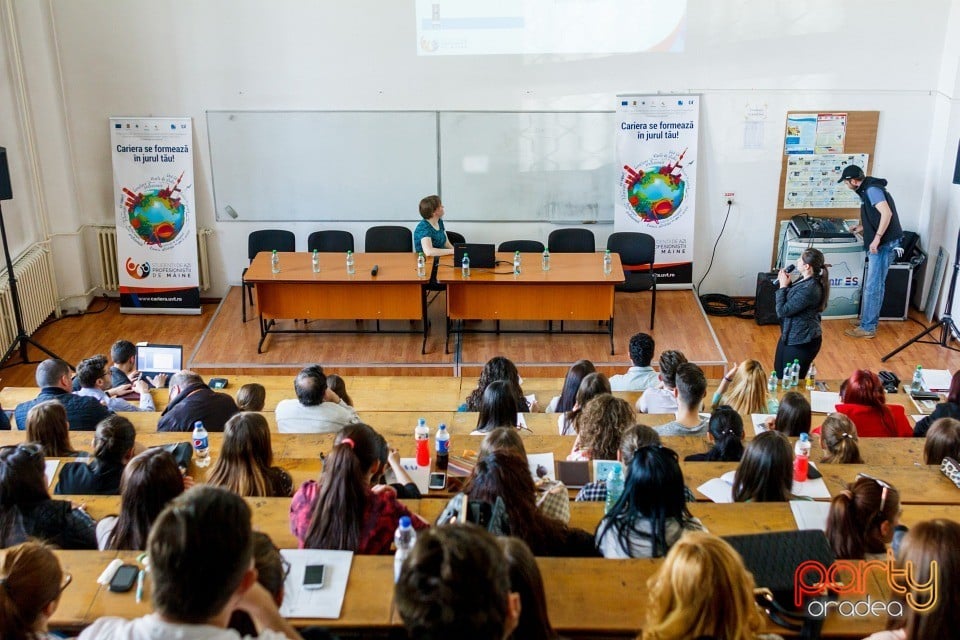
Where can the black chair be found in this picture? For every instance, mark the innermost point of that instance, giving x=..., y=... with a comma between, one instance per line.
x=263, y=240
x=636, y=250
x=330, y=241
x=453, y=238
x=388, y=239
x=523, y=246
x=571, y=241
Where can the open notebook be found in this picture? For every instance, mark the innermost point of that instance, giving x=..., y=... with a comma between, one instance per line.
x=721, y=489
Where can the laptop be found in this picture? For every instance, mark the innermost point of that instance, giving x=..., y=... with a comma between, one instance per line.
x=482, y=256
x=159, y=358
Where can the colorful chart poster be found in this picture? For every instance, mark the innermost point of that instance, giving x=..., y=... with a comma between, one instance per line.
x=801, y=133
x=811, y=181
x=656, y=190
x=155, y=215
x=831, y=132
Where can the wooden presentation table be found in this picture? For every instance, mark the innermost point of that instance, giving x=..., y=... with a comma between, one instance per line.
x=575, y=288
x=297, y=293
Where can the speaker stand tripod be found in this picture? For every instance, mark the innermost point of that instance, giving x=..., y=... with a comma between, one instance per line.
x=21, y=340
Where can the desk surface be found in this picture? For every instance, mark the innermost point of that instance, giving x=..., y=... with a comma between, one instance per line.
x=564, y=268
x=297, y=267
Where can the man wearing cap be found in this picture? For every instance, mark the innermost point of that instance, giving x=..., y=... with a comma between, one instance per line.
x=881, y=230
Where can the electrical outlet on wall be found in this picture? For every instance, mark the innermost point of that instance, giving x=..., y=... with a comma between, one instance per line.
x=728, y=197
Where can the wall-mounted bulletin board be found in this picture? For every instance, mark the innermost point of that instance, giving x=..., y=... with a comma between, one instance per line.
x=817, y=145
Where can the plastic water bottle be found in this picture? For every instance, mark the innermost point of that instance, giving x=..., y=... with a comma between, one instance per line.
x=404, y=539
x=443, y=447
x=772, y=383
x=801, y=458
x=421, y=265
x=351, y=267
x=315, y=261
x=795, y=373
x=811, y=377
x=614, y=486
x=201, y=445
x=545, y=261
x=516, y=263
x=607, y=262
x=422, y=435
x=275, y=262
x=917, y=383
x=465, y=266
x=787, y=376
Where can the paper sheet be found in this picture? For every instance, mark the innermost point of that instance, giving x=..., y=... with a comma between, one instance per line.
x=936, y=379
x=325, y=602
x=721, y=489
x=759, y=421
x=602, y=468
x=824, y=401
x=50, y=469
x=419, y=475
x=521, y=422
x=810, y=515
x=544, y=460
x=717, y=489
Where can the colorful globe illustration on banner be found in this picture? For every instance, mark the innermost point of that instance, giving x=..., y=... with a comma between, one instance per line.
x=156, y=215
x=657, y=192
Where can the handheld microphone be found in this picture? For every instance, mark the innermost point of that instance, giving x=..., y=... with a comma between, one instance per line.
x=375, y=270
x=788, y=271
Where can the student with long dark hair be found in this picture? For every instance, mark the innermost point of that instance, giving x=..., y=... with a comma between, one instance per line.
x=571, y=384
x=799, y=306
x=341, y=511
x=765, y=473
x=862, y=519
x=592, y=385
x=497, y=368
x=113, y=446
x=246, y=458
x=47, y=426
x=526, y=581
x=26, y=510
x=839, y=440
x=864, y=401
x=405, y=487
x=651, y=513
x=726, y=434
x=943, y=441
x=150, y=481
x=793, y=417
x=949, y=408
x=498, y=408
x=31, y=583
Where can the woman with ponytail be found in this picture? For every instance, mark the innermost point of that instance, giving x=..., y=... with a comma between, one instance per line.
x=798, y=306
x=341, y=511
x=839, y=441
x=726, y=434
x=862, y=519
x=31, y=582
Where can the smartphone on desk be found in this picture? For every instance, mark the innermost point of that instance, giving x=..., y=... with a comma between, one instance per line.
x=438, y=481
x=313, y=576
x=124, y=579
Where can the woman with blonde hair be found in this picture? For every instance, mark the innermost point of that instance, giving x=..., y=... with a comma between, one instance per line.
x=744, y=388
x=839, y=441
x=47, y=425
x=685, y=594
x=602, y=423
x=31, y=583
x=246, y=458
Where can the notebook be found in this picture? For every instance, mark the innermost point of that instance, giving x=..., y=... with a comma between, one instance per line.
x=482, y=256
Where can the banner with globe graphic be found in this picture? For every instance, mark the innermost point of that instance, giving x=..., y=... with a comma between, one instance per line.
x=156, y=223
x=656, y=187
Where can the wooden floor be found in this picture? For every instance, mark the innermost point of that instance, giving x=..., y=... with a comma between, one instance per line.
x=217, y=341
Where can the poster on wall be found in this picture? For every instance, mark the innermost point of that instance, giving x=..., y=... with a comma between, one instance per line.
x=811, y=181
x=155, y=215
x=656, y=190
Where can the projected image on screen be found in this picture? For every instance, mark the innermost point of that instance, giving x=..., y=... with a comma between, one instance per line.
x=482, y=27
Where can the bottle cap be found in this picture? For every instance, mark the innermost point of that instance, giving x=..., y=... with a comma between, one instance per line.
x=443, y=427
x=405, y=522
x=804, y=437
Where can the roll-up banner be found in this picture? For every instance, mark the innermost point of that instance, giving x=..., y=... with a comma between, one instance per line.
x=656, y=191
x=155, y=215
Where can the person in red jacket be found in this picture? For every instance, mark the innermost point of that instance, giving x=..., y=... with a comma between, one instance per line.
x=863, y=400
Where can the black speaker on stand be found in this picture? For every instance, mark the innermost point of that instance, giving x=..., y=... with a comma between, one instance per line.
x=22, y=339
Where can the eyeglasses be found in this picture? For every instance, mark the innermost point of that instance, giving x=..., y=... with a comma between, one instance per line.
x=883, y=485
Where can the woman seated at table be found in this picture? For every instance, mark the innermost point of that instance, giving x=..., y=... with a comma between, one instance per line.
x=150, y=481
x=527, y=581
x=592, y=385
x=497, y=368
x=26, y=509
x=113, y=445
x=839, y=440
x=601, y=425
x=31, y=583
x=405, y=487
x=430, y=236
x=571, y=384
x=652, y=513
x=726, y=434
x=765, y=473
x=498, y=407
x=744, y=388
x=943, y=441
x=793, y=417
x=47, y=426
x=341, y=510
x=863, y=400
x=862, y=519
x=949, y=408
x=245, y=464
x=252, y=397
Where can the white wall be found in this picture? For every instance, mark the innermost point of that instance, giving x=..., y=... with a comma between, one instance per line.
x=180, y=58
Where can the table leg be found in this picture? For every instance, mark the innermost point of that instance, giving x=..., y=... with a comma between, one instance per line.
x=610, y=331
x=426, y=323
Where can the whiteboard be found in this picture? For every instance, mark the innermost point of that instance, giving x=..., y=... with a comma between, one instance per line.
x=321, y=165
x=528, y=166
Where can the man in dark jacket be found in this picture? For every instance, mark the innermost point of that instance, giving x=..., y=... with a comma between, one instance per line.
x=192, y=400
x=53, y=378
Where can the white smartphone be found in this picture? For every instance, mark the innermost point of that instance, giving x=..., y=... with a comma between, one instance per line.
x=313, y=576
x=438, y=481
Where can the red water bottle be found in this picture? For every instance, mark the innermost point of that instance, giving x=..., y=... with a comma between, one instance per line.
x=801, y=459
x=422, y=436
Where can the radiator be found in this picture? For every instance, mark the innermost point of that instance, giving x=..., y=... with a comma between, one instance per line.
x=107, y=249
x=37, y=290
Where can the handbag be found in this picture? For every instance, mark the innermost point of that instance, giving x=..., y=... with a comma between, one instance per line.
x=490, y=516
x=951, y=468
x=773, y=559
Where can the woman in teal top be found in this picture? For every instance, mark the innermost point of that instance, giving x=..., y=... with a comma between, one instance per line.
x=430, y=236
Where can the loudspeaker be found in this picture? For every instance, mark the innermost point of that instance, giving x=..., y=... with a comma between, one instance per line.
x=765, y=307
x=896, y=291
x=6, y=192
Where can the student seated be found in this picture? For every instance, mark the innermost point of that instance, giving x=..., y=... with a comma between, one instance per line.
x=53, y=378
x=47, y=426
x=456, y=584
x=641, y=375
x=652, y=513
x=31, y=583
x=191, y=400
x=405, y=487
x=245, y=464
x=661, y=399
x=317, y=408
x=271, y=573
x=726, y=434
x=862, y=519
x=339, y=386
x=744, y=388
x=592, y=385
x=793, y=416
x=189, y=599
x=526, y=582
x=765, y=473
x=601, y=425
x=943, y=441
x=498, y=407
x=124, y=368
x=113, y=446
x=571, y=384
x=251, y=397
x=690, y=391
x=839, y=441
x=863, y=400
x=94, y=379
x=496, y=368
x=949, y=408
x=634, y=437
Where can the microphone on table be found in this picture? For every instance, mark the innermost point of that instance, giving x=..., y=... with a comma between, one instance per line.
x=375, y=269
x=788, y=271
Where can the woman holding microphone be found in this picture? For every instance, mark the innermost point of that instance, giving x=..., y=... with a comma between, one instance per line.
x=798, y=306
